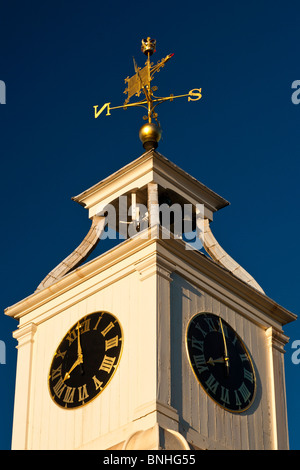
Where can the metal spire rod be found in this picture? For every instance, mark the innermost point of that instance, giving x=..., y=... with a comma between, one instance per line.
x=141, y=83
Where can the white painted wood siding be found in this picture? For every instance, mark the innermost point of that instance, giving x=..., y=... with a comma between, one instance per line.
x=217, y=427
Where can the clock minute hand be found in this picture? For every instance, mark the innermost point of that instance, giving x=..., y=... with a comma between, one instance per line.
x=79, y=349
x=79, y=359
x=226, y=357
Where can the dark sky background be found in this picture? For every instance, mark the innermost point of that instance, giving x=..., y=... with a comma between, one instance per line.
x=58, y=59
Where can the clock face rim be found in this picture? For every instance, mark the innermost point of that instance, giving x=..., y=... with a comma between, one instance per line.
x=78, y=407
x=239, y=411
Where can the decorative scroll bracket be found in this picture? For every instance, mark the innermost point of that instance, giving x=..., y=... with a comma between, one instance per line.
x=219, y=255
x=77, y=257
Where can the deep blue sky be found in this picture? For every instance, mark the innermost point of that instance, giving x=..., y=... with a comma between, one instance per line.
x=59, y=59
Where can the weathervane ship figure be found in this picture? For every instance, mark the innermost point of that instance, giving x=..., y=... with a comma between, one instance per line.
x=140, y=82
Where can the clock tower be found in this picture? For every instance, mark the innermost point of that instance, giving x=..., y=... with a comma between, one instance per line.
x=154, y=344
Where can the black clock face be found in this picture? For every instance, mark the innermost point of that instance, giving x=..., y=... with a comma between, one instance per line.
x=85, y=360
x=221, y=362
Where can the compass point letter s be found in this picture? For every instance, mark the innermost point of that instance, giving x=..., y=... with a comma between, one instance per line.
x=195, y=92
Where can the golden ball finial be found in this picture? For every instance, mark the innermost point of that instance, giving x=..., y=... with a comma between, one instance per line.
x=150, y=135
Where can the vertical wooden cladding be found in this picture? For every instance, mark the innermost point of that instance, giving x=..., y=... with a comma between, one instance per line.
x=154, y=294
x=51, y=427
x=204, y=421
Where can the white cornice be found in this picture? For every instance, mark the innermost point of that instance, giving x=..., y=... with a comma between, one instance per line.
x=151, y=166
x=194, y=265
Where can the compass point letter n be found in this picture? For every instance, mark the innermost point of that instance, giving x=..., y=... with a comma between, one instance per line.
x=97, y=113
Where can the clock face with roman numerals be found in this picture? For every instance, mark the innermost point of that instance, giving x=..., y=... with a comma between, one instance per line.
x=221, y=362
x=85, y=360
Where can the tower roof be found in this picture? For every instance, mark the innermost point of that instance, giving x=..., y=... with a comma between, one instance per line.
x=150, y=167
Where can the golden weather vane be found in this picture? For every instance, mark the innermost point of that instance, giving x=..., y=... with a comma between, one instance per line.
x=141, y=83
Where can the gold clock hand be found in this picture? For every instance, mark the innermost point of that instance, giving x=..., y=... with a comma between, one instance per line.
x=76, y=363
x=226, y=357
x=79, y=359
x=79, y=350
x=212, y=361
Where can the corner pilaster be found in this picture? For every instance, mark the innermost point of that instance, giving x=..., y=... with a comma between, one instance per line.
x=156, y=272
x=25, y=338
x=276, y=343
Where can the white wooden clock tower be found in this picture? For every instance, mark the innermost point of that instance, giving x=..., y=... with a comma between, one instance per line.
x=154, y=286
x=144, y=388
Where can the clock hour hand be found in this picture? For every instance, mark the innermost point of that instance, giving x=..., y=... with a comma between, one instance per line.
x=212, y=361
x=76, y=363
